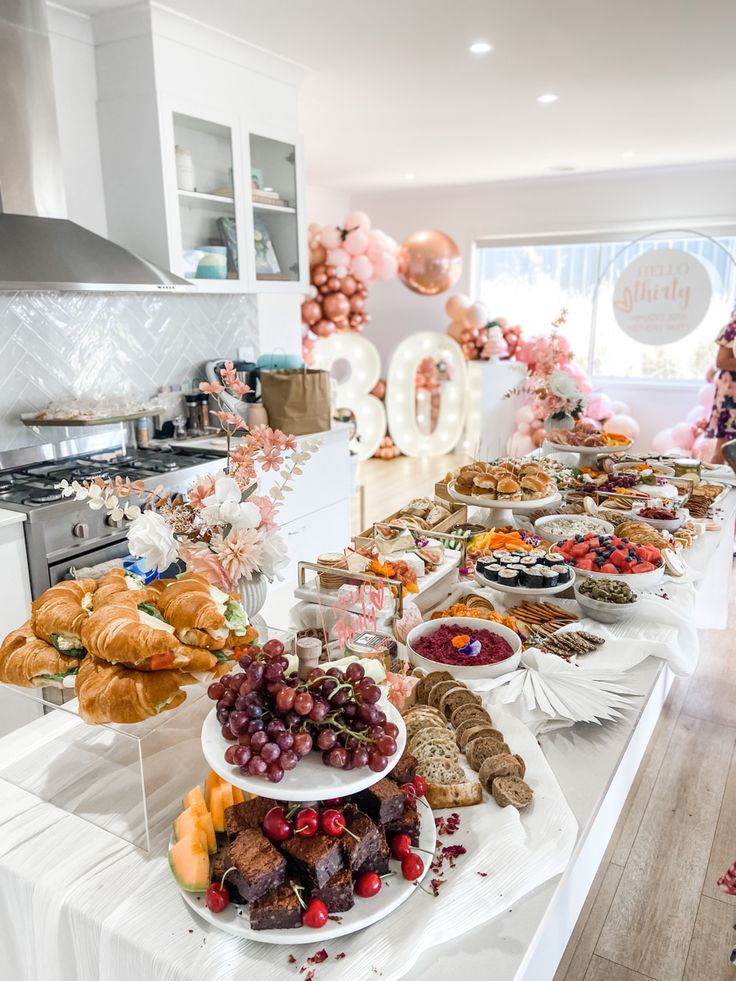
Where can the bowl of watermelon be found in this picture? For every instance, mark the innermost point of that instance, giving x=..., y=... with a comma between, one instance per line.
x=611, y=557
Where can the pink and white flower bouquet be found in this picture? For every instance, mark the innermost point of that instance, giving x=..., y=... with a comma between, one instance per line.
x=221, y=528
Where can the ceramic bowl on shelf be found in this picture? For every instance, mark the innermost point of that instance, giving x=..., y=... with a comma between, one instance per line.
x=604, y=612
x=472, y=625
x=597, y=525
x=637, y=580
x=662, y=524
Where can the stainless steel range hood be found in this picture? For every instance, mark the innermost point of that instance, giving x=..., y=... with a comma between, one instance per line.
x=39, y=247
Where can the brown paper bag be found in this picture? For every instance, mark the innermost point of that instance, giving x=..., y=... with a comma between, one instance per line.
x=297, y=401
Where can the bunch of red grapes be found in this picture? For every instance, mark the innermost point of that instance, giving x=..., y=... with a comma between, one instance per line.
x=273, y=720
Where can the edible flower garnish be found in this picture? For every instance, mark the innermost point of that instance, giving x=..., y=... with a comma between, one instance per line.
x=460, y=641
x=467, y=645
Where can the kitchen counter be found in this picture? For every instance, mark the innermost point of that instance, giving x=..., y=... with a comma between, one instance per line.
x=10, y=517
x=219, y=443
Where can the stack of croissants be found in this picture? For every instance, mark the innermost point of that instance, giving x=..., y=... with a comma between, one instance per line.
x=131, y=648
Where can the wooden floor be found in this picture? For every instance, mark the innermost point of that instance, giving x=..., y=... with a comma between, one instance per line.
x=654, y=912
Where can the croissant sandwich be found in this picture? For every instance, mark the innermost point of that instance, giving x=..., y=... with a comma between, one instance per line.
x=201, y=614
x=60, y=613
x=113, y=583
x=137, y=636
x=32, y=663
x=111, y=693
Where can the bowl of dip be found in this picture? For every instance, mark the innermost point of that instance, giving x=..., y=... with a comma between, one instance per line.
x=489, y=651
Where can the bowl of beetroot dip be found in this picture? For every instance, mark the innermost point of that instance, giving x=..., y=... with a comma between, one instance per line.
x=493, y=649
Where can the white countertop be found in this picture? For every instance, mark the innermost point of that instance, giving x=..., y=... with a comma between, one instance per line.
x=219, y=443
x=78, y=904
x=10, y=517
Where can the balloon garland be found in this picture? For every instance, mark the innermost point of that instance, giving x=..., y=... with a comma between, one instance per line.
x=480, y=337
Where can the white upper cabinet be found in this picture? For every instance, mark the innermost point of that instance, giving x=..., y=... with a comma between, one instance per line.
x=200, y=152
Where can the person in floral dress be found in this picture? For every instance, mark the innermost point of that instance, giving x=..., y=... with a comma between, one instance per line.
x=722, y=423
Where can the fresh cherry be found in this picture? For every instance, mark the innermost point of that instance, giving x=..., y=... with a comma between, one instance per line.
x=315, y=915
x=401, y=846
x=333, y=822
x=410, y=792
x=276, y=826
x=368, y=884
x=420, y=785
x=217, y=897
x=306, y=823
x=412, y=867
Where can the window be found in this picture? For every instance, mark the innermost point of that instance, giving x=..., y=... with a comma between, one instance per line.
x=529, y=285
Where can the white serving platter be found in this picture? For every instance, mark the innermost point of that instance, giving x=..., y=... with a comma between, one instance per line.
x=526, y=590
x=310, y=779
x=585, y=452
x=485, y=502
x=395, y=890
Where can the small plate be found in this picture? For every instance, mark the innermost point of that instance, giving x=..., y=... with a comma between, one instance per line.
x=526, y=590
x=310, y=779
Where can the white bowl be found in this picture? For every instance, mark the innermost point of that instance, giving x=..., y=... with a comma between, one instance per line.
x=637, y=580
x=662, y=524
x=470, y=624
x=603, y=527
x=605, y=612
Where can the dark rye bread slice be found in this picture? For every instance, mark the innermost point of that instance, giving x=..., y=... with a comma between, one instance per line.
x=513, y=791
x=437, y=691
x=471, y=722
x=478, y=750
x=467, y=712
x=421, y=692
x=455, y=697
x=473, y=732
x=503, y=765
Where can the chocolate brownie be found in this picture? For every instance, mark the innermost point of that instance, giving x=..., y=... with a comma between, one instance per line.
x=384, y=801
x=379, y=862
x=279, y=909
x=359, y=849
x=315, y=859
x=337, y=892
x=408, y=823
x=406, y=769
x=219, y=864
x=260, y=867
x=249, y=814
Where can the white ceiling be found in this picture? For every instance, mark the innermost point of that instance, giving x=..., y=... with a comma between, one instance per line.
x=395, y=90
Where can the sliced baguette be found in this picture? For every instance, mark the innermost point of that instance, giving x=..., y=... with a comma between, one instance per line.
x=479, y=749
x=502, y=765
x=469, y=711
x=423, y=687
x=455, y=697
x=437, y=691
x=513, y=791
x=473, y=732
x=463, y=794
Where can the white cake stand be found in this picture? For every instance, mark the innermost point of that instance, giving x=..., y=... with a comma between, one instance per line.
x=585, y=453
x=503, y=510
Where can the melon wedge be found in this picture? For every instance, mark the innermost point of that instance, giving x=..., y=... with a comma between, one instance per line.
x=210, y=783
x=192, y=822
x=194, y=797
x=238, y=795
x=205, y=823
x=217, y=809
x=190, y=864
x=227, y=794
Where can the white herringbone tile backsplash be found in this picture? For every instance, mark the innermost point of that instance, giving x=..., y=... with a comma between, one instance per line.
x=94, y=345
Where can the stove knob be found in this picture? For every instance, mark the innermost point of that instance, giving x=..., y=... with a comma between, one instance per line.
x=113, y=522
x=80, y=530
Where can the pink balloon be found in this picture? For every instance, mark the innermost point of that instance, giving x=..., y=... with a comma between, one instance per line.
x=622, y=424
x=456, y=304
x=358, y=219
x=589, y=422
x=599, y=406
x=585, y=385
x=663, y=442
x=338, y=257
x=524, y=414
x=362, y=267
x=705, y=396
x=538, y=436
x=574, y=369
x=682, y=435
x=699, y=449
x=711, y=373
x=385, y=266
x=455, y=330
x=520, y=445
x=330, y=236
x=524, y=428
x=477, y=315
x=356, y=242
x=620, y=408
x=695, y=415
x=536, y=424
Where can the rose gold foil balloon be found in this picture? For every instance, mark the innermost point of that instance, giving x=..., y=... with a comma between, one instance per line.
x=349, y=284
x=319, y=275
x=379, y=389
x=324, y=328
x=455, y=331
x=336, y=306
x=324, y=288
x=429, y=262
x=356, y=304
x=311, y=312
x=331, y=270
x=317, y=255
x=465, y=336
x=334, y=283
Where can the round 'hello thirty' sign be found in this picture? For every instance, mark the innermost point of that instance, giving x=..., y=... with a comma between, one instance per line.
x=661, y=296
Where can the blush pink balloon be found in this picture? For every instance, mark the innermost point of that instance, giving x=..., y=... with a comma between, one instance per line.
x=623, y=424
x=456, y=305
x=585, y=385
x=589, y=422
x=695, y=415
x=705, y=396
x=536, y=424
x=356, y=242
x=362, y=268
x=524, y=414
x=330, y=236
x=524, y=428
x=358, y=219
x=466, y=335
x=599, y=406
x=699, y=449
x=663, y=441
x=477, y=315
x=620, y=408
x=469, y=350
x=385, y=266
x=538, y=436
x=455, y=331
x=338, y=257
x=682, y=435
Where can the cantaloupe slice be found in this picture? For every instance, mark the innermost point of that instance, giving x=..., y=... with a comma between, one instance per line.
x=210, y=783
x=205, y=822
x=190, y=864
x=217, y=808
x=227, y=794
x=194, y=797
x=238, y=795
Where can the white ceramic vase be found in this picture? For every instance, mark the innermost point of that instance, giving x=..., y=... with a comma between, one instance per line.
x=253, y=593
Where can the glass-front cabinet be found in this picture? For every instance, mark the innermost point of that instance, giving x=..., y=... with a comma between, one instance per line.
x=235, y=208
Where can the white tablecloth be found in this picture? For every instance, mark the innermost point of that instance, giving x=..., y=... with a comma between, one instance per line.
x=77, y=904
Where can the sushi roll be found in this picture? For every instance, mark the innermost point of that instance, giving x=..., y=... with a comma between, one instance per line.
x=549, y=577
x=563, y=573
x=508, y=577
x=491, y=570
x=528, y=560
x=500, y=553
x=532, y=577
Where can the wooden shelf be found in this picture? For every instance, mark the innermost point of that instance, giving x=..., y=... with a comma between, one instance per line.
x=198, y=199
x=281, y=208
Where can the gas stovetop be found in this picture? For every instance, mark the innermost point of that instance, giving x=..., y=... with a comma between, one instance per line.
x=36, y=486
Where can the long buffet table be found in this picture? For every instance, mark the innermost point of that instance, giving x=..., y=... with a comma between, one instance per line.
x=79, y=904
